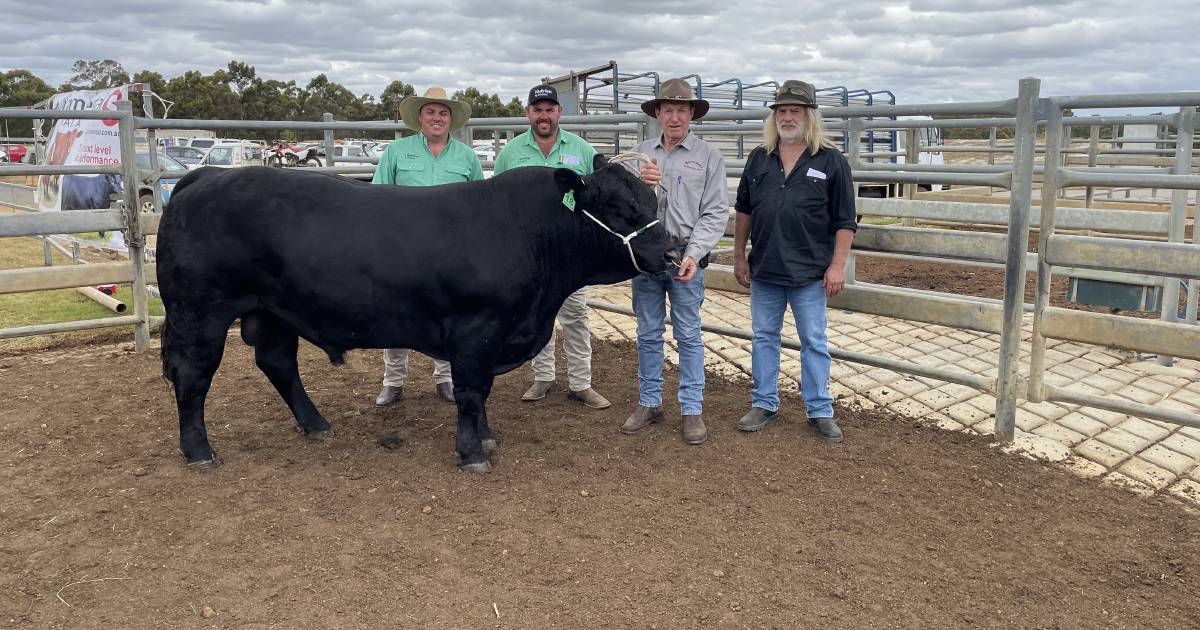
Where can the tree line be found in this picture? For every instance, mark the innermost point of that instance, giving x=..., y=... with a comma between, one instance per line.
x=235, y=92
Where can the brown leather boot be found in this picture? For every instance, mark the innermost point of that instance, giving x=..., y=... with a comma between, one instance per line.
x=694, y=431
x=641, y=418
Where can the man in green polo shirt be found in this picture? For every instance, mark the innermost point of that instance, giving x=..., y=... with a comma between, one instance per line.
x=428, y=158
x=547, y=145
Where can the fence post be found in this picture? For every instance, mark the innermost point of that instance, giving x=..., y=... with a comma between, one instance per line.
x=1185, y=127
x=854, y=141
x=39, y=143
x=1037, y=344
x=1093, y=157
x=991, y=152
x=650, y=128
x=912, y=155
x=47, y=255
x=853, y=134
x=152, y=142
x=1061, y=150
x=1021, y=195
x=1193, y=296
x=328, y=142
x=133, y=225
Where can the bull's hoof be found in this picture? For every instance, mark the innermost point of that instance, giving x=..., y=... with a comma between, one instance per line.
x=478, y=467
x=205, y=465
x=320, y=435
x=489, y=445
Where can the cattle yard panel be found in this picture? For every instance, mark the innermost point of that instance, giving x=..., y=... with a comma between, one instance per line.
x=1140, y=261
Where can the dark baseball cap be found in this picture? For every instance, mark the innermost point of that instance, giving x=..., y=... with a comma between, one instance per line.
x=543, y=93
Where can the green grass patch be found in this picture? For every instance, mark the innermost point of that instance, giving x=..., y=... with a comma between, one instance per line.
x=93, y=237
x=61, y=305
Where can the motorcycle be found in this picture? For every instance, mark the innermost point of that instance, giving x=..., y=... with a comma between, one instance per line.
x=283, y=154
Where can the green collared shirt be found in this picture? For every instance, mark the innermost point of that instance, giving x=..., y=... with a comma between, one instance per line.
x=570, y=151
x=408, y=162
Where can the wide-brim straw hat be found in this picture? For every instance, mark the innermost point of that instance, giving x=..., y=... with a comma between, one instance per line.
x=410, y=108
x=679, y=91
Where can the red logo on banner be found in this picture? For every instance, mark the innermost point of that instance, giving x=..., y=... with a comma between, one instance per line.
x=109, y=105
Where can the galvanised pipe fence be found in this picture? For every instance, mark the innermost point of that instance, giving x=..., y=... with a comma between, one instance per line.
x=1140, y=260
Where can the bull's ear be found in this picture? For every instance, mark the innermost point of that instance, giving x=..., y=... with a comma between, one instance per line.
x=598, y=162
x=567, y=179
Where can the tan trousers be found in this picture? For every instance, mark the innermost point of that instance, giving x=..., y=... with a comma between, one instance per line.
x=395, y=368
x=577, y=343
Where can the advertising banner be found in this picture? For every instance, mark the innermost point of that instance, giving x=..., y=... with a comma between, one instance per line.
x=83, y=142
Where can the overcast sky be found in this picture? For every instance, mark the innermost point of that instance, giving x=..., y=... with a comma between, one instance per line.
x=922, y=50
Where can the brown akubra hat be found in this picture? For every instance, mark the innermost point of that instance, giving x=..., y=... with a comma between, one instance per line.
x=679, y=91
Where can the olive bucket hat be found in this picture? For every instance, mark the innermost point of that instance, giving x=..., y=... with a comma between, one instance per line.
x=794, y=92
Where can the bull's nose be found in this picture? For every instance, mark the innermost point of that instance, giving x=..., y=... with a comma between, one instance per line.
x=674, y=257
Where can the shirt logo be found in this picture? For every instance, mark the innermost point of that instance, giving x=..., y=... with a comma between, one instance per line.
x=693, y=165
x=571, y=159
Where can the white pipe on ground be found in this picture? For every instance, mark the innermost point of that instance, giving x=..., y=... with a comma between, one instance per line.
x=105, y=300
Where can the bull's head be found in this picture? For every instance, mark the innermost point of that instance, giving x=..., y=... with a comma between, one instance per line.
x=622, y=204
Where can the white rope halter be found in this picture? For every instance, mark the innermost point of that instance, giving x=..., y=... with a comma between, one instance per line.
x=623, y=159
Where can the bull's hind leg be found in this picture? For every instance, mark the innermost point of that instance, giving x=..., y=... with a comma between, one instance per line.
x=486, y=438
x=192, y=351
x=275, y=345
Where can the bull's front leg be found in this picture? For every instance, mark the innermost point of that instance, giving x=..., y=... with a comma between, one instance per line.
x=471, y=398
x=472, y=384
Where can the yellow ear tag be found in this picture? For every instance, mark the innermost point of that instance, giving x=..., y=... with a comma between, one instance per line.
x=569, y=200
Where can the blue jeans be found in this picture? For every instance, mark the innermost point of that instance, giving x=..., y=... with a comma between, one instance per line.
x=768, y=302
x=649, y=303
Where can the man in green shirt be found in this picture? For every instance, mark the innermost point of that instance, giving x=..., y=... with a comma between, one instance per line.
x=547, y=145
x=428, y=158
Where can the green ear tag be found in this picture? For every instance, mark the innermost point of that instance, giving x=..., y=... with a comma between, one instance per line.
x=569, y=200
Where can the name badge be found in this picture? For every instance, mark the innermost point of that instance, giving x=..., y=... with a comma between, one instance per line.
x=812, y=172
x=571, y=159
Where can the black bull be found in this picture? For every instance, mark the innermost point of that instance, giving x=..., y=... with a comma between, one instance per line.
x=472, y=273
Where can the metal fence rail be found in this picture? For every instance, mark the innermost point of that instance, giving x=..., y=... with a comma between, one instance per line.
x=855, y=119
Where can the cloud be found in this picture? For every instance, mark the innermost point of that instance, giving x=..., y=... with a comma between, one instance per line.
x=922, y=50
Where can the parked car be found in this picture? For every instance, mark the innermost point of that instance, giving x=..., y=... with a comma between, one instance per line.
x=349, y=150
x=15, y=152
x=485, y=151
x=203, y=143
x=227, y=154
x=145, y=200
x=188, y=156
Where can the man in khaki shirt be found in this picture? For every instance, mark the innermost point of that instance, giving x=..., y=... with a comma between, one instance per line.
x=693, y=206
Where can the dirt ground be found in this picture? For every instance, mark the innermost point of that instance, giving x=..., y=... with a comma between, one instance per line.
x=101, y=525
